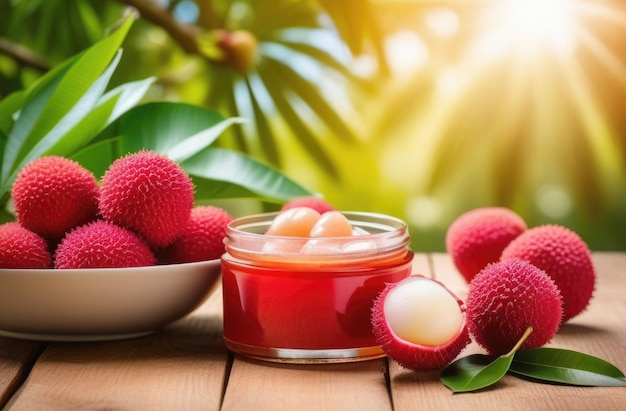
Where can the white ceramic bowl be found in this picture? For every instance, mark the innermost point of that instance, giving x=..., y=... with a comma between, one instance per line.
x=101, y=304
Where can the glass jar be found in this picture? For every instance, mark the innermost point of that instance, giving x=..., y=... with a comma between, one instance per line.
x=297, y=299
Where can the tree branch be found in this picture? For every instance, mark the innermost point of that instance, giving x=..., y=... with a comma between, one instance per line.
x=23, y=55
x=183, y=34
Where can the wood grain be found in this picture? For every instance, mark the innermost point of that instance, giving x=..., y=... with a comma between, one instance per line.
x=16, y=358
x=180, y=367
x=262, y=386
x=186, y=366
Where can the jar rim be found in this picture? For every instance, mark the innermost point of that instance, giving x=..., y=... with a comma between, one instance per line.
x=383, y=234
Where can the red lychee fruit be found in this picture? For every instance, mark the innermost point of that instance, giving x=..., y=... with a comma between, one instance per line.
x=565, y=257
x=315, y=203
x=419, y=323
x=21, y=248
x=54, y=194
x=477, y=237
x=202, y=239
x=101, y=244
x=148, y=193
x=506, y=298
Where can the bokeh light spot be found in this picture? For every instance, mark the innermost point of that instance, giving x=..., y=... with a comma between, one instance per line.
x=554, y=201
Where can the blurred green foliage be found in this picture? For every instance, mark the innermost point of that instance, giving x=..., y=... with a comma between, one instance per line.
x=418, y=109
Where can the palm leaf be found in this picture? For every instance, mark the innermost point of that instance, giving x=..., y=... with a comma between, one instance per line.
x=313, y=98
x=268, y=143
x=285, y=103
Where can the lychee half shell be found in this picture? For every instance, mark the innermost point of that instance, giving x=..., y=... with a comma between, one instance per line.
x=21, y=248
x=565, y=257
x=477, y=237
x=202, y=239
x=419, y=323
x=506, y=298
x=101, y=244
x=316, y=203
x=53, y=194
x=148, y=193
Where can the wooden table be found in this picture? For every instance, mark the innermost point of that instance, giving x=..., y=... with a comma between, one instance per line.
x=186, y=367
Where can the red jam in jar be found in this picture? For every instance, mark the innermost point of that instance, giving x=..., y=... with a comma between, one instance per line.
x=300, y=299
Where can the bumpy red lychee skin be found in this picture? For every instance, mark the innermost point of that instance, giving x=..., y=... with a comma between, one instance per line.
x=202, y=239
x=415, y=356
x=148, y=193
x=101, y=244
x=54, y=194
x=315, y=203
x=505, y=298
x=477, y=237
x=565, y=257
x=21, y=248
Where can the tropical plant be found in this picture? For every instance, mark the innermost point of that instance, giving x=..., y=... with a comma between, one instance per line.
x=503, y=102
x=282, y=64
x=68, y=112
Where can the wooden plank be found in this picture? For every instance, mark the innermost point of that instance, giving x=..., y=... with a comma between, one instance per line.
x=180, y=367
x=267, y=386
x=599, y=331
x=16, y=359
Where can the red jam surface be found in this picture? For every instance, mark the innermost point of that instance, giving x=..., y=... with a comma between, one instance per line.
x=297, y=300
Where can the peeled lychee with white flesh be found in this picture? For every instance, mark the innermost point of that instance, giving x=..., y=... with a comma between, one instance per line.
x=202, y=239
x=294, y=222
x=148, y=193
x=477, y=237
x=565, y=257
x=21, y=248
x=101, y=244
x=506, y=298
x=316, y=203
x=419, y=323
x=54, y=194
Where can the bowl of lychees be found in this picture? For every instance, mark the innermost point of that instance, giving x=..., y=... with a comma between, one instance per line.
x=120, y=257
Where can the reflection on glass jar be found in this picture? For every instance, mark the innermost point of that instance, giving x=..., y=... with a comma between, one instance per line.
x=298, y=301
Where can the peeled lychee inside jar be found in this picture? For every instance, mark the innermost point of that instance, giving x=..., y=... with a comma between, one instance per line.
x=304, y=230
x=419, y=323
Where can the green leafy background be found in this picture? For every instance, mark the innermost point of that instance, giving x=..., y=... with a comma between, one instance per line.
x=379, y=106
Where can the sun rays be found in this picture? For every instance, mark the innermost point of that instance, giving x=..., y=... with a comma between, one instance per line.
x=526, y=114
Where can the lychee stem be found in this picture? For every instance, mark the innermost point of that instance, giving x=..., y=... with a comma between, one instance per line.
x=528, y=331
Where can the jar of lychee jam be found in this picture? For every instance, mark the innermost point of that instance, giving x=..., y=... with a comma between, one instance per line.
x=301, y=299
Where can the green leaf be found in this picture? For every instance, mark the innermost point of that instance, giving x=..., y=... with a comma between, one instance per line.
x=221, y=173
x=199, y=141
x=79, y=79
x=78, y=114
x=109, y=107
x=286, y=101
x=55, y=96
x=262, y=113
x=8, y=107
x=566, y=367
x=162, y=126
x=65, y=136
x=311, y=94
x=130, y=94
x=36, y=98
x=475, y=372
x=97, y=157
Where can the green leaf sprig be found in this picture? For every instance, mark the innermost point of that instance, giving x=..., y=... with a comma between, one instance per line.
x=548, y=365
x=478, y=371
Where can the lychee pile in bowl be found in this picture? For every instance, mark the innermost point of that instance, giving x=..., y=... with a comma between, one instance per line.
x=99, y=260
